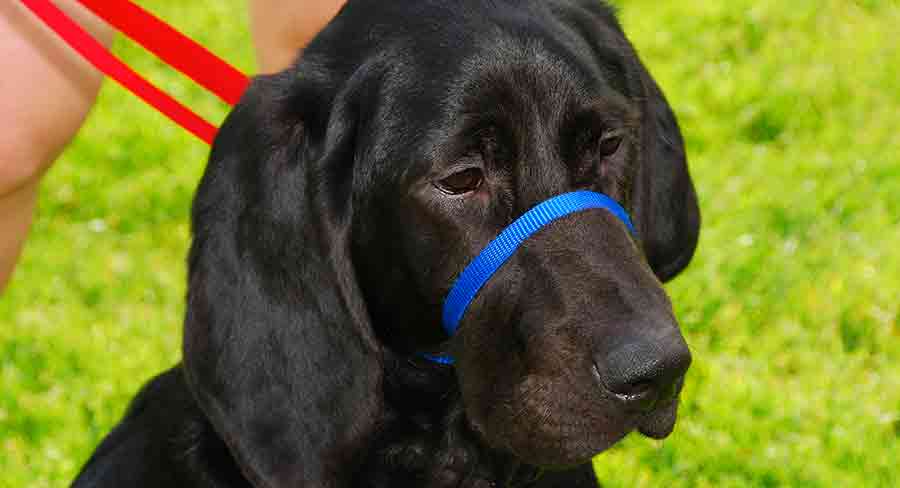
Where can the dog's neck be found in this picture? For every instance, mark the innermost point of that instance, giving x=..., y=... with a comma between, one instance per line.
x=426, y=438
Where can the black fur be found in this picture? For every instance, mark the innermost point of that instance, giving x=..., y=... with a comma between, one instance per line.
x=323, y=247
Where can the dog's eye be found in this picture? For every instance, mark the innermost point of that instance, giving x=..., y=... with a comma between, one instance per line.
x=463, y=181
x=592, y=153
x=608, y=145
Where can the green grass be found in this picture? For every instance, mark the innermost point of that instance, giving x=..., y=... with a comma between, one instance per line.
x=791, y=112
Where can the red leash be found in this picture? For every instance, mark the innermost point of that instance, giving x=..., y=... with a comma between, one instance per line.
x=157, y=37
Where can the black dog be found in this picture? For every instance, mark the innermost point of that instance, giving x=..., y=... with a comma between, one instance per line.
x=343, y=197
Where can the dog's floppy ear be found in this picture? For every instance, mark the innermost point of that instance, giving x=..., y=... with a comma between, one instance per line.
x=666, y=212
x=278, y=348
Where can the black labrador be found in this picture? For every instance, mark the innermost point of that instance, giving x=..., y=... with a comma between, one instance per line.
x=342, y=198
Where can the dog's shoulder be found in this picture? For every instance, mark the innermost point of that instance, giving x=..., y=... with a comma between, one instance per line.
x=163, y=440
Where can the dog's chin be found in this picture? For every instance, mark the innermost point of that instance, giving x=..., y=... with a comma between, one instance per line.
x=560, y=453
x=659, y=423
x=551, y=445
x=554, y=441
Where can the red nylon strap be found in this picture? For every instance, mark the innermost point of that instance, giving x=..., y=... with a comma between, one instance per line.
x=102, y=59
x=173, y=47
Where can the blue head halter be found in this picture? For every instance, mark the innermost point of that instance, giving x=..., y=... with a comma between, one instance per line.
x=489, y=260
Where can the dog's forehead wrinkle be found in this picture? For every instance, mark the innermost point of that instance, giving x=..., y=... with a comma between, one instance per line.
x=592, y=56
x=537, y=74
x=526, y=70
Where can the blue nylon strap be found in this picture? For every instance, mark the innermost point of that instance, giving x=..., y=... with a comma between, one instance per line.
x=489, y=260
x=504, y=245
x=438, y=358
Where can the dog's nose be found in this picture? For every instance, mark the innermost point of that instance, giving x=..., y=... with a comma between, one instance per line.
x=644, y=373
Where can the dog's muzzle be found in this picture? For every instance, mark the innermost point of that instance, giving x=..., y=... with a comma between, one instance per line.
x=499, y=250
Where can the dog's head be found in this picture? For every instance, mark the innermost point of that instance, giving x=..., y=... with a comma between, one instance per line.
x=345, y=195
